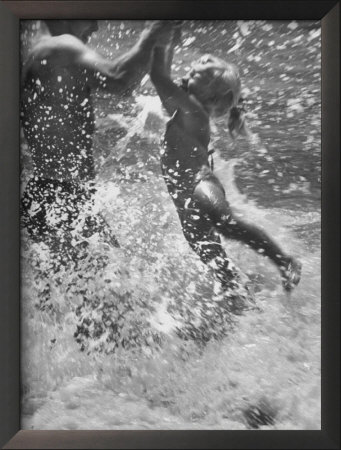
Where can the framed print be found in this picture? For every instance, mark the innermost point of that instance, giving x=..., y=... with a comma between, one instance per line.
x=170, y=269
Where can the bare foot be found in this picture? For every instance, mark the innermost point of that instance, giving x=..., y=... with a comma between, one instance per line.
x=291, y=274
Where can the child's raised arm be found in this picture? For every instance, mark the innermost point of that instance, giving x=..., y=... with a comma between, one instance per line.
x=172, y=96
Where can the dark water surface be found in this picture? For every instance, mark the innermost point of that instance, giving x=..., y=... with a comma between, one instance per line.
x=266, y=372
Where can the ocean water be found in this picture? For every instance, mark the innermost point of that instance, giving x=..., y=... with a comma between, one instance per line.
x=100, y=347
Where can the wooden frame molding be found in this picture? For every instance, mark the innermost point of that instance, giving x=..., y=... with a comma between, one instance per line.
x=11, y=11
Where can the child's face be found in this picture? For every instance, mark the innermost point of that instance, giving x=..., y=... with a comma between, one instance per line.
x=201, y=85
x=215, y=104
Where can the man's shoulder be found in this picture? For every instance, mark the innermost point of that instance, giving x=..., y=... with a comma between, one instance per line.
x=54, y=51
x=49, y=45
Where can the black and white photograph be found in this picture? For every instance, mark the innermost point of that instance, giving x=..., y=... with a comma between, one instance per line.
x=170, y=210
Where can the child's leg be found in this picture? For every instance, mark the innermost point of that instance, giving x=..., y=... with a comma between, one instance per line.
x=199, y=232
x=210, y=196
x=260, y=241
x=205, y=241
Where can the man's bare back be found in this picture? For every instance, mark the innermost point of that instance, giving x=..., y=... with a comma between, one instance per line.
x=58, y=118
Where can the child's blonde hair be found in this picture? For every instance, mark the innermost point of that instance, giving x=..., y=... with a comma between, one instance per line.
x=221, y=81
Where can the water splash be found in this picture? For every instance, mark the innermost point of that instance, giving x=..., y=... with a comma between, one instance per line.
x=264, y=374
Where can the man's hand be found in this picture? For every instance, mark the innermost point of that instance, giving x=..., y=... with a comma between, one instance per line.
x=161, y=31
x=175, y=37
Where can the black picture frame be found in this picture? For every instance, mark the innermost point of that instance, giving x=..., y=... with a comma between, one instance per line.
x=10, y=14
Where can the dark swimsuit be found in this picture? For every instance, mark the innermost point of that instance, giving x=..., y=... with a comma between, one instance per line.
x=180, y=179
x=197, y=226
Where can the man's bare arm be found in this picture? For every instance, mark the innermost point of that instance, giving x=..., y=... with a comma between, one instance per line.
x=119, y=76
x=126, y=72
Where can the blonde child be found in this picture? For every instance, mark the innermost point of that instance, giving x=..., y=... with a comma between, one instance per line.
x=211, y=89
